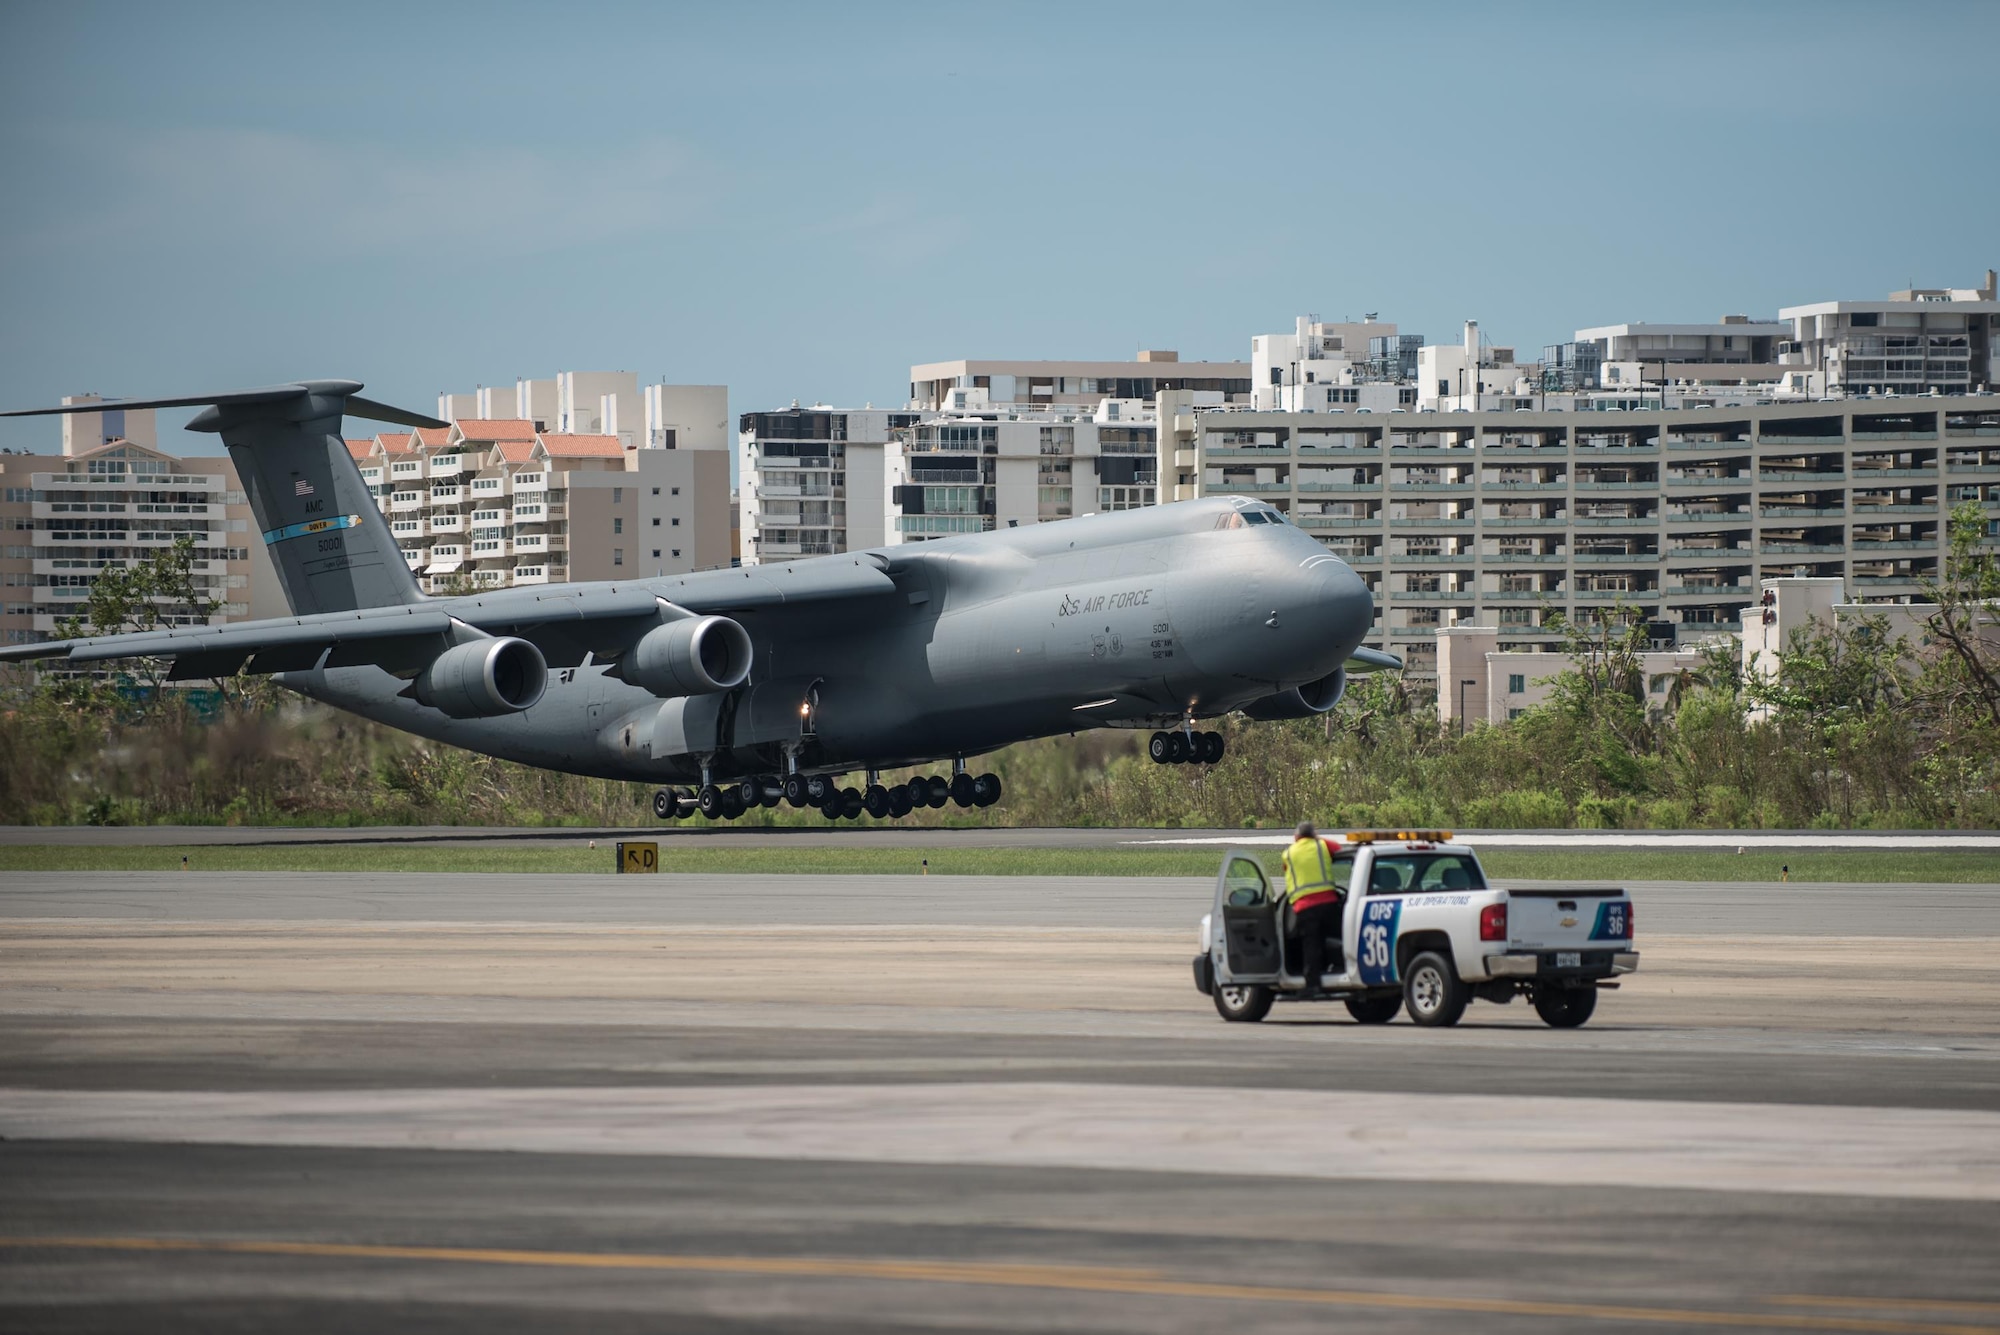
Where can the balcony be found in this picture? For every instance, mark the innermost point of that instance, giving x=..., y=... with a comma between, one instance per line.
x=1809, y=548
x=1802, y=512
x=531, y=543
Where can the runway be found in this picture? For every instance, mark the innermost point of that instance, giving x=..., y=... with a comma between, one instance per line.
x=839, y=1104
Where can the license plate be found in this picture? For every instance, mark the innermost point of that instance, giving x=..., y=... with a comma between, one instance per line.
x=1569, y=959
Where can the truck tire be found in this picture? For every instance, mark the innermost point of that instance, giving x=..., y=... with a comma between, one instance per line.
x=1374, y=1009
x=1565, y=1007
x=1432, y=991
x=1244, y=1003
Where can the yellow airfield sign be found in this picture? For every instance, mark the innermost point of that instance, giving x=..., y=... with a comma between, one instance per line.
x=638, y=857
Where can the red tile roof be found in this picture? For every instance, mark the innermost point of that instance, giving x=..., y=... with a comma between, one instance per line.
x=583, y=447
x=496, y=428
x=361, y=449
x=432, y=437
x=515, y=451
x=395, y=442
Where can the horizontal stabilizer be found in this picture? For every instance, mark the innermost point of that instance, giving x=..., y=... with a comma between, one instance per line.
x=356, y=407
x=1373, y=660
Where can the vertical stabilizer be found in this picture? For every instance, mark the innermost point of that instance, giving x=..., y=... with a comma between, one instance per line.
x=330, y=544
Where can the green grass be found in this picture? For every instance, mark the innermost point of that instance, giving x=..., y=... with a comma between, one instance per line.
x=1607, y=866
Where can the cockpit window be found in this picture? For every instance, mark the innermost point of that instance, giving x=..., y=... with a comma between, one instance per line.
x=1230, y=520
x=1257, y=517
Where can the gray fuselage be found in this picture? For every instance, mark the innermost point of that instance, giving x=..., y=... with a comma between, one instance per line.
x=1138, y=618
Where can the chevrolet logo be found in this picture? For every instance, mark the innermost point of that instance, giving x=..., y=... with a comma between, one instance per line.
x=1569, y=922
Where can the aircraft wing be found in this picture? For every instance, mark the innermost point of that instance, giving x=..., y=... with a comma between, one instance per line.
x=564, y=621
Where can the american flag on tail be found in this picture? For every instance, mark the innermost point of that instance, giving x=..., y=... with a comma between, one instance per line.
x=302, y=488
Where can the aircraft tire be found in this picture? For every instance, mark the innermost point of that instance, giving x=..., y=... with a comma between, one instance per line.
x=795, y=789
x=709, y=801
x=667, y=804
x=962, y=788
x=875, y=801
x=900, y=802
x=749, y=793
x=732, y=803
x=832, y=808
x=940, y=790
x=986, y=790
x=850, y=804
x=1180, y=749
x=818, y=788
x=1161, y=748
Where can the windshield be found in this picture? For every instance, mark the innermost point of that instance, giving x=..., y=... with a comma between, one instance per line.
x=1397, y=873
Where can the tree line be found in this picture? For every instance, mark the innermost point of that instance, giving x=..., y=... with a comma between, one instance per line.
x=1856, y=728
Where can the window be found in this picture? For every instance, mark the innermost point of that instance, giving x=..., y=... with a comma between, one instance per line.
x=676, y=491
x=1517, y=682
x=617, y=495
x=677, y=521
x=677, y=551
x=617, y=525
x=656, y=553
x=656, y=521
x=656, y=491
x=618, y=556
x=1396, y=873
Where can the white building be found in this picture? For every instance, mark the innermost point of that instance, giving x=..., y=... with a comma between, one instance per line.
x=956, y=386
x=814, y=481
x=1323, y=366
x=1918, y=341
x=1004, y=466
x=1472, y=375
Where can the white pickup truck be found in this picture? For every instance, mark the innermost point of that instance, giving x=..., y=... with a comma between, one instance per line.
x=1422, y=931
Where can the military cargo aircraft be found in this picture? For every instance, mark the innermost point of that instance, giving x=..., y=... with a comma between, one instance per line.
x=742, y=687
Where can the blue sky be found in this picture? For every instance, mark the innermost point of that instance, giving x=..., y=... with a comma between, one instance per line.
x=801, y=200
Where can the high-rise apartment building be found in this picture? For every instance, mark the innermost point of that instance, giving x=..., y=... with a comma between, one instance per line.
x=1494, y=518
x=494, y=503
x=1004, y=466
x=113, y=498
x=814, y=480
x=587, y=475
x=1026, y=386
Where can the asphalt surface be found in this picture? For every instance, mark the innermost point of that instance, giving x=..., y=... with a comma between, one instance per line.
x=832, y=1104
x=1164, y=903
x=868, y=835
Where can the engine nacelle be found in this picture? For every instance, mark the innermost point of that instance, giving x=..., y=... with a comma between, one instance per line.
x=694, y=656
x=485, y=678
x=1315, y=697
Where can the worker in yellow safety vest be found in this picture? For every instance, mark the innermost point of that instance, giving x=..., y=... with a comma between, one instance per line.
x=1312, y=898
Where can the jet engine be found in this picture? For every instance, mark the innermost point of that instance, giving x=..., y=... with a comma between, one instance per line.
x=1315, y=697
x=484, y=679
x=694, y=656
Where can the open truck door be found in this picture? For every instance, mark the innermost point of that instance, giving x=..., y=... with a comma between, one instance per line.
x=1249, y=951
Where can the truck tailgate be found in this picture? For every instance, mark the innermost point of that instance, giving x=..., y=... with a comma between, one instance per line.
x=1568, y=919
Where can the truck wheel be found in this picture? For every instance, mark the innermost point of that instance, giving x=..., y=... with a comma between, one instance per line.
x=1432, y=992
x=1374, y=1009
x=1246, y=1002
x=1565, y=1007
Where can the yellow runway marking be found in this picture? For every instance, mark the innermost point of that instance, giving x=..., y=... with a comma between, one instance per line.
x=1079, y=1279
x=1936, y=1304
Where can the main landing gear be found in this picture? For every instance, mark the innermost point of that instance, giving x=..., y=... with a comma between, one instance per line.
x=1185, y=748
x=729, y=801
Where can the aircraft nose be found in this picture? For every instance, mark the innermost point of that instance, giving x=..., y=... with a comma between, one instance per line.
x=1332, y=608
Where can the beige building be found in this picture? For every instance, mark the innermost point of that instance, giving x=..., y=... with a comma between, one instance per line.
x=496, y=502
x=112, y=497
x=1480, y=682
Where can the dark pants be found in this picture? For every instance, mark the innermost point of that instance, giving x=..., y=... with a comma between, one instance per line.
x=1312, y=927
